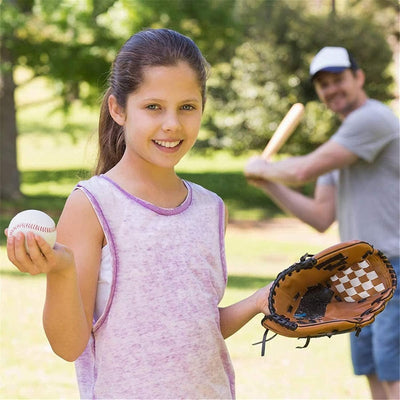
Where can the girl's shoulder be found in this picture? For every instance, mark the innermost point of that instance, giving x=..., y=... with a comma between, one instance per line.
x=201, y=190
x=99, y=187
x=92, y=182
x=78, y=220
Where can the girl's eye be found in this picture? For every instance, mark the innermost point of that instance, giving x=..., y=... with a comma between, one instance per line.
x=153, y=107
x=188, y=107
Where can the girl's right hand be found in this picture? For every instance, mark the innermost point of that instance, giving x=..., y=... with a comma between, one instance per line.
x=41, y=257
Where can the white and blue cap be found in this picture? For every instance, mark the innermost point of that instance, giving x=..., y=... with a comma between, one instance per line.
x=332, y=59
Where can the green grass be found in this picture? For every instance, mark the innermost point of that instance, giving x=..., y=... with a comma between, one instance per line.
x=52, y=165
x=29, y=369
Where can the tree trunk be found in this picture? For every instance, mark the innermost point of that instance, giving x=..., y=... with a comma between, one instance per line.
x=9, y=174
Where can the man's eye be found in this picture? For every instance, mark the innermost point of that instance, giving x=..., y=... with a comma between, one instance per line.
x=152, y=107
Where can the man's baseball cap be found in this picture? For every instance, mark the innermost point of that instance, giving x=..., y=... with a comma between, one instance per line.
x=332, y=59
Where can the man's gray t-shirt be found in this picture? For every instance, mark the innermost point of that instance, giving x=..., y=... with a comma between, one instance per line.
x=368, y=191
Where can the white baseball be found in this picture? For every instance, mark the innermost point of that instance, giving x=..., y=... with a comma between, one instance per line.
x=34, y=221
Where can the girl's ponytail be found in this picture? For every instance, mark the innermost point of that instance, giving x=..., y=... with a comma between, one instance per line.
x=111, y=139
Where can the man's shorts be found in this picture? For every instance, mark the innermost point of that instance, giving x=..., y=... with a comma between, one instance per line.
x=377, y=348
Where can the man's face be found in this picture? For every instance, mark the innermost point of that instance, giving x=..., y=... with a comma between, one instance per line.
x=341, y=92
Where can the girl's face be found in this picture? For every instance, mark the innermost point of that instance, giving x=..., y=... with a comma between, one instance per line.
x=162, y=118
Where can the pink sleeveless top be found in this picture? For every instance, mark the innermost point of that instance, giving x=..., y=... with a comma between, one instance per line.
x=159, y=336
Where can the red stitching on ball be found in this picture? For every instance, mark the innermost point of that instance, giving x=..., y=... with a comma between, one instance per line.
x=30, y=226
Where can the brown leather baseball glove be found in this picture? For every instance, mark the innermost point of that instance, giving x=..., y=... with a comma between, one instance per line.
x=338, y=290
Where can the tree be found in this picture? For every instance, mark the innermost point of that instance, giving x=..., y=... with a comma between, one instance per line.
x=259, y=51
x=8, y=126
x=73, y=43
x=53, y=39
x=9, y=176
x=269, y=72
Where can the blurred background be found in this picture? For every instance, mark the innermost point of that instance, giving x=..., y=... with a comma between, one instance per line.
x=259, y=50
x=55, y=59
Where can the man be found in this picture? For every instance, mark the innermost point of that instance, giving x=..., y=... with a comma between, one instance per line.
x=358, y=184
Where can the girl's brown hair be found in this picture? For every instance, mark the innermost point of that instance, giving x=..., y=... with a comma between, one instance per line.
x=148, y=48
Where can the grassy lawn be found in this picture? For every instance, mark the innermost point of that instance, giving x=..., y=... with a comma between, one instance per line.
x=259, y=244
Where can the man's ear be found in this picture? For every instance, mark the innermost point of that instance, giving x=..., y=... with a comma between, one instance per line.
x=116, y=111
x=360, y=77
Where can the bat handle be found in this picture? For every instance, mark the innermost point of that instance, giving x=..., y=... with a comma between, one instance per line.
x=284, y=130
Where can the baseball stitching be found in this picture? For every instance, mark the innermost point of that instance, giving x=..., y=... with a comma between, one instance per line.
x=35, y=227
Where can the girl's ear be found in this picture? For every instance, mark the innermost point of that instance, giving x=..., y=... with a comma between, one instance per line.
x=116, y=111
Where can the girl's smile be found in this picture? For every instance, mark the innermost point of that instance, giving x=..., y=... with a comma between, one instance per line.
x=168, y=144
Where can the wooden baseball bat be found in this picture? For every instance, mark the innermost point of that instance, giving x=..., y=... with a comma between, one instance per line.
x=284, y=130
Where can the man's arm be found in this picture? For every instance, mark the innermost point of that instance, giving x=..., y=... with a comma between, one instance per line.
x=302, y=169
x=318, y=211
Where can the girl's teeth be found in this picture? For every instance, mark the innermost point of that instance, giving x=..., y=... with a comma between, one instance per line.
x=167, y=144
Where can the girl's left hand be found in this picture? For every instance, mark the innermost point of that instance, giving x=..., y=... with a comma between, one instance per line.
x=262, y=299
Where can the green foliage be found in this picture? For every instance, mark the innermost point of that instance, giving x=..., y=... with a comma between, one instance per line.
x=63, y=41
x=365, y=41
x=211, y=24
x=259, y=50
x=269, y=72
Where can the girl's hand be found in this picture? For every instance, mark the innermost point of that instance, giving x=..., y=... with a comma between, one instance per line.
x=262, y=299
x=41, y=257
x=233, y=317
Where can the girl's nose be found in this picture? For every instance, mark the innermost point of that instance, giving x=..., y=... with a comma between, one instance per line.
x=171, y=122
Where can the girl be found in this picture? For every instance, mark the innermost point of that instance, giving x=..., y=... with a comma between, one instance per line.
x=133, y=291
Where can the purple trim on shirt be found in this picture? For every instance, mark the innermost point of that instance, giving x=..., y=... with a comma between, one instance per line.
x=114, y=255
x=222, y=238
x=159, y=210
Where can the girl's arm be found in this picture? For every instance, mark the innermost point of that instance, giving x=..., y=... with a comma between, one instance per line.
x=318, y=212
x=80, y=230
x=235, y=316
x=72, y=273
